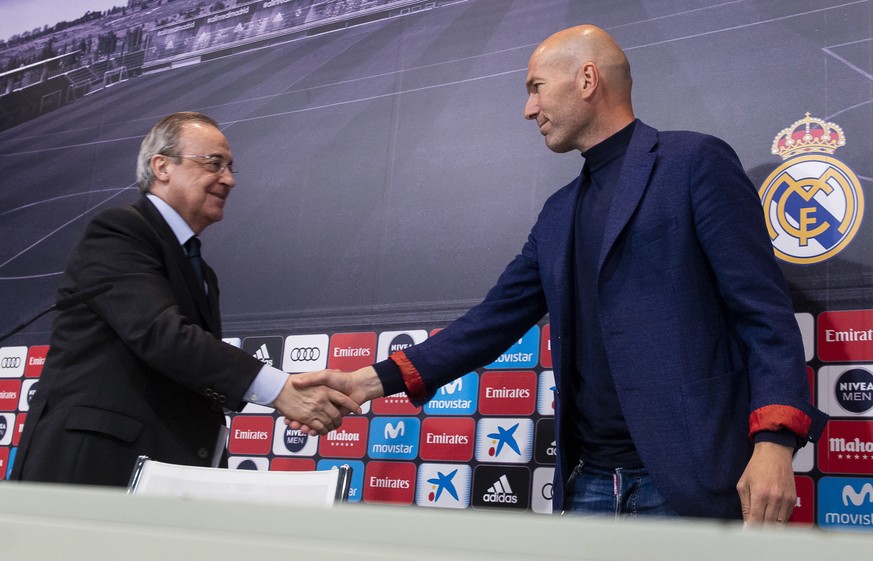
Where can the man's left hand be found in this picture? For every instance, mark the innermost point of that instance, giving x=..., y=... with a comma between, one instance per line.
x=767, y=488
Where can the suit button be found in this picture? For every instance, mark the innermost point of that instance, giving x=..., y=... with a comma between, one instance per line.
x=202, y=453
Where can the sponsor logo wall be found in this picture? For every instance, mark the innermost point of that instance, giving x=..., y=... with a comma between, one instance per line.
x=487, y=439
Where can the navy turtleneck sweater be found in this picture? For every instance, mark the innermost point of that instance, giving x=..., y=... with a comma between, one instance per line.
x=600, y=425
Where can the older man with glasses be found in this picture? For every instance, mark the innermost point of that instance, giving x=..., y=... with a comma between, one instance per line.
x=141, y=368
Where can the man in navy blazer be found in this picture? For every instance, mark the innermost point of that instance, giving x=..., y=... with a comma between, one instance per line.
x=679, y=367
x=142, y=369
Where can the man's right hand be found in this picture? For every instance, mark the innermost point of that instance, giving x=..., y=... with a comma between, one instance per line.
x=360, y=386
x=314, y=409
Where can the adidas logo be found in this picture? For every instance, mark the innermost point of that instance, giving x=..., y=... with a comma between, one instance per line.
x=500, y=492
x=263, y=355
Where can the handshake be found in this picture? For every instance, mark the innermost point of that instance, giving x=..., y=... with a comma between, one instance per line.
x=316, y=402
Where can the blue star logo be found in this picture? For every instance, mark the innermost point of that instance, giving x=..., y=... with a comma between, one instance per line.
x=505, y=436
x=443, y=482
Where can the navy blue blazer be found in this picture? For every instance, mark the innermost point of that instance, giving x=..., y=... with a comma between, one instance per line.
x=695, y=313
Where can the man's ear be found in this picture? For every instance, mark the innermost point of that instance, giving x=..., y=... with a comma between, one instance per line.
x=588, y=79
x=159, y=163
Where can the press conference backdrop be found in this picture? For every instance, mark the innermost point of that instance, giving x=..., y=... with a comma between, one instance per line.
x=387, y=176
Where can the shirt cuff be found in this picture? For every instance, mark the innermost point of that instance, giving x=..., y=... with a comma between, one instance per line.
x=266, y=386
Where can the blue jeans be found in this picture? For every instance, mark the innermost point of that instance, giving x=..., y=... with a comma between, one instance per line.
x=621, y=492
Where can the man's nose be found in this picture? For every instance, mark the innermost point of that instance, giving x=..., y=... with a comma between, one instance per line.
x=531, y=108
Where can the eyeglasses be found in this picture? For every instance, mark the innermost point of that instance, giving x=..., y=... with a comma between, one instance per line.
x=212, y=164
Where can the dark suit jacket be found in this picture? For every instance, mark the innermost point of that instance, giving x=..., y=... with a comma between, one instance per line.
x=138, y=370
x=695, y=314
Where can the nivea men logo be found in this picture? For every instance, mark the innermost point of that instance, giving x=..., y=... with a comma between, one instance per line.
x=295, y=440
x=288, y=442
x=394, y=438
x=399, y=343
x=854, y=390
x=391, y=342
x=248, y=463
x=7, y=424
x=458, y=397
x=28, y=390
x=846, y=391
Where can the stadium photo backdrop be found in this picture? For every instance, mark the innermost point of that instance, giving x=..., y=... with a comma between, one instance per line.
x=387, y=175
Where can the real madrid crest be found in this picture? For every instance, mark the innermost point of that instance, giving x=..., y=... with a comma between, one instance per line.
x=813, y=203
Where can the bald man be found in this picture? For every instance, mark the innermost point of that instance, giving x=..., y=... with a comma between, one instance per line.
x=679, y=367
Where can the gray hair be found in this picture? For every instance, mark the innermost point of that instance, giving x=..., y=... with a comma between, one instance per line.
x=164, y=139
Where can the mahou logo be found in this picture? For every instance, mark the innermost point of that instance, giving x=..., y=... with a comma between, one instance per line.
x=397, y=404
x=846, y=447
x=348, y=441
x=507, y=393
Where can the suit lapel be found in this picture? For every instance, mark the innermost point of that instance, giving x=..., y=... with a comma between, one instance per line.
x=176, y=256
x=632, y=182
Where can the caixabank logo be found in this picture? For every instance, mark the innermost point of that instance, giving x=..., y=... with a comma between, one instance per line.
x=458, y=397
x=394, y=438
x=845, y=502
x=813, y=203
x=501, y=487
x=504, y=440
x=443, y=485
x=846, y=447
x=546, y=393
x=846, y=391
